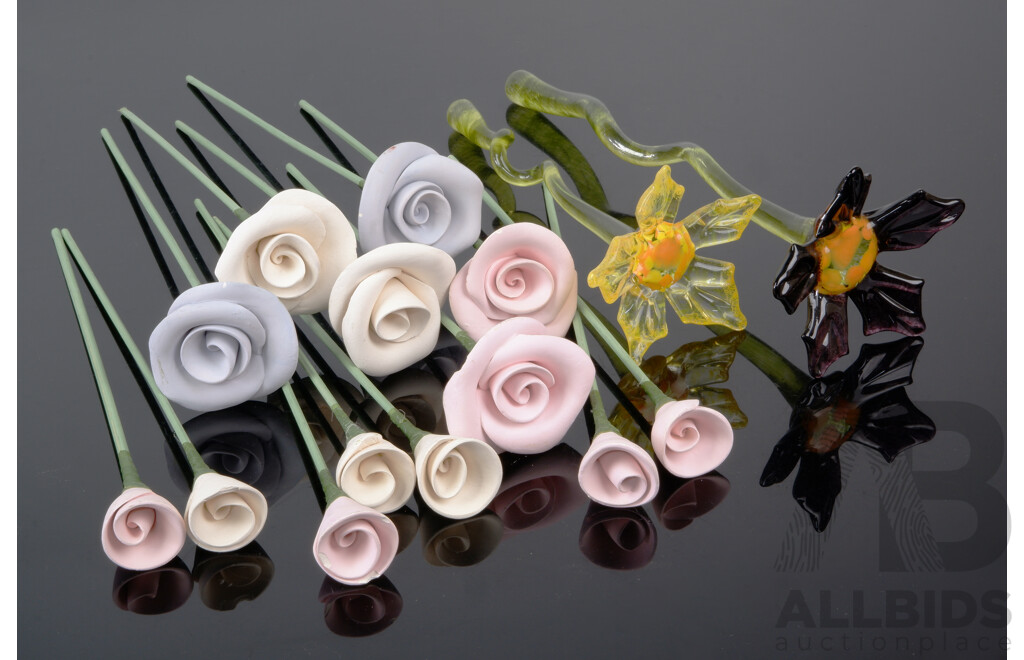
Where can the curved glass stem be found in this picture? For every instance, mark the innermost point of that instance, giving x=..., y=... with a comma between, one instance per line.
x=529, y=91
x=460, y=334
x=126, y=466
x=192, y=455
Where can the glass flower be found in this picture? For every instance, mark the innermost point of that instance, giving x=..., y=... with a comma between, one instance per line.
x=840, y=263
x=658, y=263
x=866, y=404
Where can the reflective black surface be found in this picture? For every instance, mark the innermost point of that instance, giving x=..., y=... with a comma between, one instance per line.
x=786, y=97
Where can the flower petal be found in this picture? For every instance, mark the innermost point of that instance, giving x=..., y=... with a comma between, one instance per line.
x=705, y=362
x=706, y=294
x=826, y=334
x=889, y=300
x=611, y=276
x=798, y=277
x=642, y=317
x=890, y=424
x=911, y=222
x=849, y=200
x=721, y=221
x=660, y=202
x=817, y=485
x=785, y=456
x=881, y=368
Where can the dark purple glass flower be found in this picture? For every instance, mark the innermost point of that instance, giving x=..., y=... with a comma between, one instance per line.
x=866, y=404
x=840, y=263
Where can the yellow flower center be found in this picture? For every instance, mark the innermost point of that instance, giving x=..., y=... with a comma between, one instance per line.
x=664, y=253
x=845, y=256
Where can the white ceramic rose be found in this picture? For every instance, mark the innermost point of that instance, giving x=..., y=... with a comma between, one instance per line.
x=386, y=305
x=221, y=344
x=413, y=194
x=224, y=514
x=457, y=477
x=294, y=247
x=376, y=473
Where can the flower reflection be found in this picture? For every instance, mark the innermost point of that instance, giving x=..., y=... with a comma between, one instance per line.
x=680, y=501
x=227, y=579
x=407, y=522
x=360, y=610
x=156, y=591
x=465, y=542
x=620, y=539
x=252, y=442
x=689, y=372
x=866, y=404
x=538, y=490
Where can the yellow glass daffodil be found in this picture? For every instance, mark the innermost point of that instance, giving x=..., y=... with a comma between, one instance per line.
x=660, y=261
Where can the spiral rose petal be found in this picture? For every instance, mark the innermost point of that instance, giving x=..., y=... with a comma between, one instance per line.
x=414, y=194
x=142, y=530
x=221, y=344
x=689, y=439
x=387, y=305
x=520, y=270
x=618, y=473
x=224, y=514
x=354, y=543
x=375, y=473
x=457, y=477
x=519, y=389
x=295, y=247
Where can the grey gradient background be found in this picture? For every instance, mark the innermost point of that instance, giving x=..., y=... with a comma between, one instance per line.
x=788, y=96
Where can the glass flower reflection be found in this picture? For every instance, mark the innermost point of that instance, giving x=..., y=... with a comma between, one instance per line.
x=866, y=404
x=840, y=263
x=659, y=263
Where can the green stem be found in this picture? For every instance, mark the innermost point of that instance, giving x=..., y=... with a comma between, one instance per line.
x=396, y=416
x=327, y=123
x=186, y=163
x=525, y=89
x=464, y=118
x=210, y=146
x=460, y=334
x=787, y=377
x=192, y=455
x=301, y=179
x=274, y=131
x=608, y=341
x=329, y=487
x=129, y=473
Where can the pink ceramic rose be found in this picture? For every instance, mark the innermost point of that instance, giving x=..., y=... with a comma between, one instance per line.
x=520, y=388
x=142, y=530
x=355, y=543
x=520, y=270
x=689, y=439
x=618, y=473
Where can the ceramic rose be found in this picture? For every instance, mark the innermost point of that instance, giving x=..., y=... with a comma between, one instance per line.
x=221, y=344
x=376, y=473
x=354, y=544
x=294, y=247
x=618, y=473
x=520, y=388
x=224, y=514
x=386, y=305
x=520, y=270
x=689, y=439
x=457, y=477
x=142, y=530
x=413, y=194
